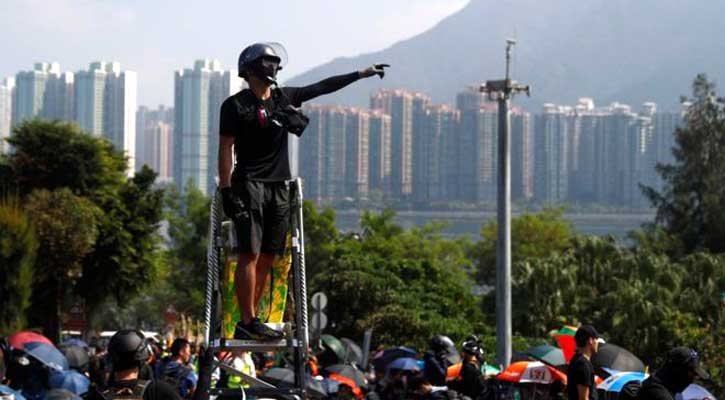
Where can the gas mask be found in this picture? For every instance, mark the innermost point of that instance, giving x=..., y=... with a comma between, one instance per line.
x=266, y=68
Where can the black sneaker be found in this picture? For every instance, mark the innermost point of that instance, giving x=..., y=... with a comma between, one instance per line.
x=256, y=330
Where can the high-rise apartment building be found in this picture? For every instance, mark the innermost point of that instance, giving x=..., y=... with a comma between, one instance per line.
x=357, y=148
x=334, y=153
x=522, y=156
x=440, y=124
x=399, y=105
x=7, y=91
x=43, y=92
x=379, y=162
x=664, y=125
x=551, y=175
x=477, y=153
x=154, y=141
x=105, y=105
x=198, y=95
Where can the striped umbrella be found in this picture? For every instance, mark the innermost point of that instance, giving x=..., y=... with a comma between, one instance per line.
x=616, y=382
x=531, y=372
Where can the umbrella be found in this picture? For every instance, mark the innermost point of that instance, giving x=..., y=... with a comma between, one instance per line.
x=547, y=354
x=349, y=382
x=489, y=370
x=283, y=377
x=565, y=338
x=8, y=390
x=353, y=352
x=19, y=339
x=531, y=372
x=405, y=364
x=348, y=371
x=69, y=380
x=77, y=357
x=75, y=342
x=47, y=355
x=333, y=344
x=695, y=392
x=616, y=381
x=382, y=359
x=614, y=357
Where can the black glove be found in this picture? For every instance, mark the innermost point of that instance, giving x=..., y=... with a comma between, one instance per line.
x=376, y=69
x=233, y=205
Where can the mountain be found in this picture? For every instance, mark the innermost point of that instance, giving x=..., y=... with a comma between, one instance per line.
x=611, y=50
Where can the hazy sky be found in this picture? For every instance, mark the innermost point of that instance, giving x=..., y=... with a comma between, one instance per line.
x=156, y=37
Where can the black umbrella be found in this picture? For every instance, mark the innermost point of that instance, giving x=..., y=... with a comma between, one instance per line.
x=353, y=352
x=614, y=357
x=285, y=378
x=77, y=357
x=348, y=371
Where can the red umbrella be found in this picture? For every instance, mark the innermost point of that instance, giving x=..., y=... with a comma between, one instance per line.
x=565, y=338
x=18, y=340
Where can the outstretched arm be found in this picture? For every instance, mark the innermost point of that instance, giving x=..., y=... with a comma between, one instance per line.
x=298, y=95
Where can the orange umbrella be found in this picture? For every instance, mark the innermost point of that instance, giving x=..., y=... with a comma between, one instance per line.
x=565, y=338
x=531, y=372
x=454, y=372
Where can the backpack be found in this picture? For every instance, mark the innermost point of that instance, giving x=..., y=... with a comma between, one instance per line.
x=126, y=393
x=630, y=391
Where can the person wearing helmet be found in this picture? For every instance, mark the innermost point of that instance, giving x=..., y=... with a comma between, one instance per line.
x=254, y=126
x=128, y=351
x=436, y=366
x=472, y=382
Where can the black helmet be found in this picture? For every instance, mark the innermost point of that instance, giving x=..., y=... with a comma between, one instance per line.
x=472, y=346
x=128, y=349
x=252, y=56
x=441, y=343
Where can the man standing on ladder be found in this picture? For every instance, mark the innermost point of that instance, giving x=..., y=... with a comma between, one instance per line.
x=254, y=123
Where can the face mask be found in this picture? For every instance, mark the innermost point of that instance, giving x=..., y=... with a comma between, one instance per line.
x=266, y=69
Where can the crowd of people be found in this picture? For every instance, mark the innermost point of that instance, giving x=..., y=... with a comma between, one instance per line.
x=132, y=366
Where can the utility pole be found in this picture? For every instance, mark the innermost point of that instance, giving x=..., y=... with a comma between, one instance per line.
x=502, y=91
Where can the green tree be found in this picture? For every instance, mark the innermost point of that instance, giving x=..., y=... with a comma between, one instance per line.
x=18, y=247
x=533, y=236
x=53, y=155
x=65, y=225
x=125, y=258
x=188, y=218
x=691, y=205
x=406, y=285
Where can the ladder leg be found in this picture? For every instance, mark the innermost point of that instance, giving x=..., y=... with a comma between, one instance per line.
x=299, y=286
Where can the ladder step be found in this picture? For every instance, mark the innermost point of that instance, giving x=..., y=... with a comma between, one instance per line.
x=276, y=393
x=253, y=345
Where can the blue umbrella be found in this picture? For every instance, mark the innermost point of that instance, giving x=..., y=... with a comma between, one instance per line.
x=382, y=359
x=8, y=390
x=405, y=364
x=75, y=342
x=70, y=380
x=47, y=355
x=616, y=382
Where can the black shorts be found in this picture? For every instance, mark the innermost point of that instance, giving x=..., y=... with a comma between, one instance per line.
x=265, y=229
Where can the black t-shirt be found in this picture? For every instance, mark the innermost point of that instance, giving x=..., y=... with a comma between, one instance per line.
x=156, y=390
x=580, y=372
x=261, y=152
x=472, y=382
